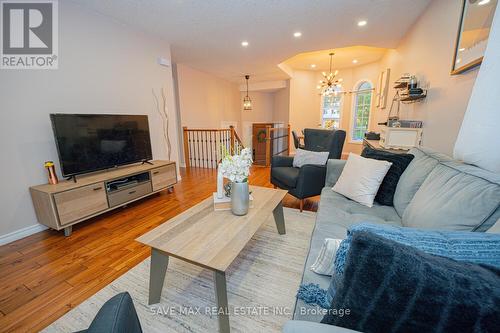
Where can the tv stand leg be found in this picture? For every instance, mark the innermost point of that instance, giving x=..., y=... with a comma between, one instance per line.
x=73, y=178
x=147, y=162
x=68, y=230
x=170, y=189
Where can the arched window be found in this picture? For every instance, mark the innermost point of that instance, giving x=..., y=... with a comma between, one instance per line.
x=331, y=110
x=361, y=114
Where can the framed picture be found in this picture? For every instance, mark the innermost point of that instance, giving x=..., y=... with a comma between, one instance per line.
x=383, y=88
x=473, y=33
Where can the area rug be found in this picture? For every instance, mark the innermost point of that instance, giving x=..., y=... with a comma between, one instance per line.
x=261, y=283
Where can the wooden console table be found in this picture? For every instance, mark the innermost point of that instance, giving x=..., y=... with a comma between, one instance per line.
x=67, y=203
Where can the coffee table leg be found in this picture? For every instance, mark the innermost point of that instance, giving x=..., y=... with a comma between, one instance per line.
x=221, y=295
x=279, y=218
x=159, y=263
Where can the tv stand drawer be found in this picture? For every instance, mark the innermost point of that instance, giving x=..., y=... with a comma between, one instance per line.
x=128, y=194
x=164, y=177
x=76, y=204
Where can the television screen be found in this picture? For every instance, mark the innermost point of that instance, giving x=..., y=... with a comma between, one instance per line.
x=91, y=142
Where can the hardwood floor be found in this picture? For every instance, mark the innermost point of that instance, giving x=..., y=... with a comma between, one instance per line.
x=45, y=275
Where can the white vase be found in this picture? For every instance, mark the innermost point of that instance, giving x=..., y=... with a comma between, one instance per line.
x=240, y=198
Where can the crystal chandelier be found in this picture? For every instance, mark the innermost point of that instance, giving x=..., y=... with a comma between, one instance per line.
x=247, y=102
x=329, y=85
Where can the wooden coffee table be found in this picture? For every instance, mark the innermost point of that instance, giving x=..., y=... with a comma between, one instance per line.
x=210, y=239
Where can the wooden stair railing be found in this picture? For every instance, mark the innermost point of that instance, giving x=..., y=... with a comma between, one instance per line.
x=203, y=147
x=277, y=142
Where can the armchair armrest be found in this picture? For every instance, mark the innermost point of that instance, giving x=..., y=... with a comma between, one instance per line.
x=281, y=161
x=334, y=169
x=311, y=180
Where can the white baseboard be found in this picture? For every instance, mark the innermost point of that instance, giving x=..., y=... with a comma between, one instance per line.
x=21, y=233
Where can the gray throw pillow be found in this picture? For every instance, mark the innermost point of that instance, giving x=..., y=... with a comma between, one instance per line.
x=303, y=157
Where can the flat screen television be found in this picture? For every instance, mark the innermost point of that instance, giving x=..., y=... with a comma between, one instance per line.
x=92, y=142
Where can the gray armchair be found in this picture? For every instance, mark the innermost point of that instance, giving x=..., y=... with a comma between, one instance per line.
x=117, y=315
x=308, y=180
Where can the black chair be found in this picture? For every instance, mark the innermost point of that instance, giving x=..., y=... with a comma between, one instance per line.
x=308, y=180
x=296, y=141
x=117, y=315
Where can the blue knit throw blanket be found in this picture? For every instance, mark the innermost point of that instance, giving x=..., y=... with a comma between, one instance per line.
x=476, y=247
x=312, y=294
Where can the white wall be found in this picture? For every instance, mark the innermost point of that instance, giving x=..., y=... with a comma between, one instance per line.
x=205, y=100
x=479, y=131
x=104, y=67
x=305, y=100
x=281, y=112
x=427, y=51
x=262, y=112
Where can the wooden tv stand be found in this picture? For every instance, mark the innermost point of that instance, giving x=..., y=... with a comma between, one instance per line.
x=62, y=205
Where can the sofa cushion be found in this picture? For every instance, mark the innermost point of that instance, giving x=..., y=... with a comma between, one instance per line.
x=495, y=228
x=453, y=197
x=414, y=175
x=391, y=287
x=286, y=175
x=334, y=208
x=335, y=214
x=385, y=194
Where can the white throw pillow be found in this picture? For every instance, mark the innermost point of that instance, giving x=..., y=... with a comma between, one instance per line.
x=361, y=178
x=303, y=157
x=324, y=263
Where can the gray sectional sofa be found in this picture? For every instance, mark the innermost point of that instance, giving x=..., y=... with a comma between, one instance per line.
x=435, y=192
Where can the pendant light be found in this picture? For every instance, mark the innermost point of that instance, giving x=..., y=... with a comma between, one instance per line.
x=247, y=102
x=329, y=84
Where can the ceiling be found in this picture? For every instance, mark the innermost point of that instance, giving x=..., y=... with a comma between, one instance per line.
x=343, y=58
x=207, y=35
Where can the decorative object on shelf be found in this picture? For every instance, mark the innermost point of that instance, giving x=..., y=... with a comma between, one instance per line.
x=383, y=88
x=237, y=169
x=473, y=34
x=227, y=190
x=372, y=136
x=51, y=170
x=162, y=110
x=247, y=102
x=407, y=91
x=220, y=184
x=329, y=83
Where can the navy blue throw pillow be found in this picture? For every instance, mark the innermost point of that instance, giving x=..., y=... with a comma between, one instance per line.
x=385, y=194
x=391, y=287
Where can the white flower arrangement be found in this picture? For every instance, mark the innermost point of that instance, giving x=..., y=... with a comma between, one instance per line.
x=237, y=167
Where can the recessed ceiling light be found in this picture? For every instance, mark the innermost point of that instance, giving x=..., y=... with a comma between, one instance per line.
x=244, y=43
x=461, y=49
x=458, y=60
x=297, y=34
x=483, y=2
x=313, y=65
x=355, y=61
x=362, y=23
